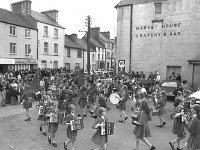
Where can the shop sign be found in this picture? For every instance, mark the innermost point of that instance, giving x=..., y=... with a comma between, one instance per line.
x=7, y=61
x=121, y=66
x=25, y=61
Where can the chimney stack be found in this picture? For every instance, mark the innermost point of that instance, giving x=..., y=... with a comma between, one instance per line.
x=106, y=34
x=73, y=37
x=53, y=14
x=95, y=32
x=22, y=7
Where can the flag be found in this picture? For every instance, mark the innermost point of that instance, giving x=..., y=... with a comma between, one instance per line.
x=35, y=85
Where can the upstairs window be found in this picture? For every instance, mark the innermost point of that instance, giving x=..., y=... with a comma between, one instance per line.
x=98, y=56
x=158, y=8
x=46, y=31
x=56, y=48
x=27, y=33
x=27, y=49
x=13, y=30
x=68, y=52
x=46, y=47
x=108, y=54
x=102, y=56
x=93, y=55
x=12, y=48
x=79, y=53
x=55, y=33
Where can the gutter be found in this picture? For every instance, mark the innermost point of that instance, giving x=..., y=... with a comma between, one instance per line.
x=131, y=24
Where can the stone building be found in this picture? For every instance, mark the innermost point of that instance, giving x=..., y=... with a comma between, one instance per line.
x=159, y=35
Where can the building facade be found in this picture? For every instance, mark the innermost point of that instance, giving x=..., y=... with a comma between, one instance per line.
x=159, y=35
x=18, y=42
x=50, y=34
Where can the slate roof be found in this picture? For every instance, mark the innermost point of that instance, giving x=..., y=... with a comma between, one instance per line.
x=136, y=2
x=70, y=43
x=44, y=19
x=84, y=45
x=15, y=19
x=96, y=43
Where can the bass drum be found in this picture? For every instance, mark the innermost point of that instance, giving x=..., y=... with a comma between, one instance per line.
x=114, y=98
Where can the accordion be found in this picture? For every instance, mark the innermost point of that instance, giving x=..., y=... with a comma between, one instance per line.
x=54, y=118
x=108, y=128
x=40, y=110
x=77, y=124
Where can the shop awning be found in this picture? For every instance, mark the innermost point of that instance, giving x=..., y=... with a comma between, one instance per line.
x=195, y=60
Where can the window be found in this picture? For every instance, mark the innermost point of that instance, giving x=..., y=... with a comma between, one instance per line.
x=102, y=50
x=27, y=33
x=102, y=56
x=68, y=52
x=77, y=65
x=112, y=56
x=55, y=33
x=56, y=48
x=27, y=49
x=67, y=65
x=46, y=47
x=158, y=8
x=45, y=31
x=12, y=48
x=93, y=56
x=108, y=54
x=13, y=30
x=79, y=53
x=99, y=49
x=98, y=56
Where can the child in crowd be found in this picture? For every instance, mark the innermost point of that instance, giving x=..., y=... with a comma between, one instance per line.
x=179, y=126
x=97, y=138
x=142, y=129
x=70, y=134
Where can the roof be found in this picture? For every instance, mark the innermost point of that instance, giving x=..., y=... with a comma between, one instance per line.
x=194, y=60
x=96, y=43
x=84, y=45
x=72, y=44
x=44, y=19
x=136, y=2
x=15, y=19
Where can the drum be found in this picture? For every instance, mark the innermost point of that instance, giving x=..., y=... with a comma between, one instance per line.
x=114, y=98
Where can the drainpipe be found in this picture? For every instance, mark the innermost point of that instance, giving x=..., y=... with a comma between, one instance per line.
x=131, y=20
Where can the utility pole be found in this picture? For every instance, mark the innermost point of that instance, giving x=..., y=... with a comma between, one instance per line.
x=88, y=45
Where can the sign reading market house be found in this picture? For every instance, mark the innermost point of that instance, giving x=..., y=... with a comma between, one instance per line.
x=158, y=30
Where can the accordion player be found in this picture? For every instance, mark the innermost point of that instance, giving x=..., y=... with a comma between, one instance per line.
x=76, y=124
x=107, y=128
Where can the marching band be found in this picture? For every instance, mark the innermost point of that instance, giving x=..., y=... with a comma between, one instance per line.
x=56, y=107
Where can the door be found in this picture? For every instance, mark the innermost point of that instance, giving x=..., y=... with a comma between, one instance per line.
x=196, y=81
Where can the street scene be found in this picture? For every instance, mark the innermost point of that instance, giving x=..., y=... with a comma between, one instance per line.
x=100, y=75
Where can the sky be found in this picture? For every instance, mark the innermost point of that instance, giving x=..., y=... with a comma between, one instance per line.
x=72, y=13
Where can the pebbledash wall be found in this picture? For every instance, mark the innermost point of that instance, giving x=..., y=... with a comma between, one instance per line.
x=162, y=42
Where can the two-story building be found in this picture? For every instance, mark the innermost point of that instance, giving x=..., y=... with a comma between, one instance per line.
x=160, y=35
x=73, y=53
x=18, y=42
x=50, y=34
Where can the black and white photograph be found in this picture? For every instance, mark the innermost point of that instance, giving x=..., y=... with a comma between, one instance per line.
x=100, y=75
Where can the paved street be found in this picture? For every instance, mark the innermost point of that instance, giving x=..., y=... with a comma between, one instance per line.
x=16, y=134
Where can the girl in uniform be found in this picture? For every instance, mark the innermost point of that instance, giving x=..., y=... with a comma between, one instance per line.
x=53, y=124
x=194, y=129
x=97, y=138
x=142, y=129
x=70, y=134
x=179, y=126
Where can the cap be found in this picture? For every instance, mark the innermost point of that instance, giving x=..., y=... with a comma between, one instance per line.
x=71, y=107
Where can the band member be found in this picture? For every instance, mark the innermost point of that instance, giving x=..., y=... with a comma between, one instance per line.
x=142, y=129
x=122, y=103
x=98, y=139
x=194, y=129
x=27, y=101
x=161, y=106
x=83, y=99
x=70, y=134
x=53, y=124
x=179, y=126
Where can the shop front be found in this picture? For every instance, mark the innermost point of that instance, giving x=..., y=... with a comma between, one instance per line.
x=16, y=64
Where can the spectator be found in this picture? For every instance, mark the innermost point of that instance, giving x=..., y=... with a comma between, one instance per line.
x=172, y=76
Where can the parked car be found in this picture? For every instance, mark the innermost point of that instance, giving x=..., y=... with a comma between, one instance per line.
x=171, y=88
